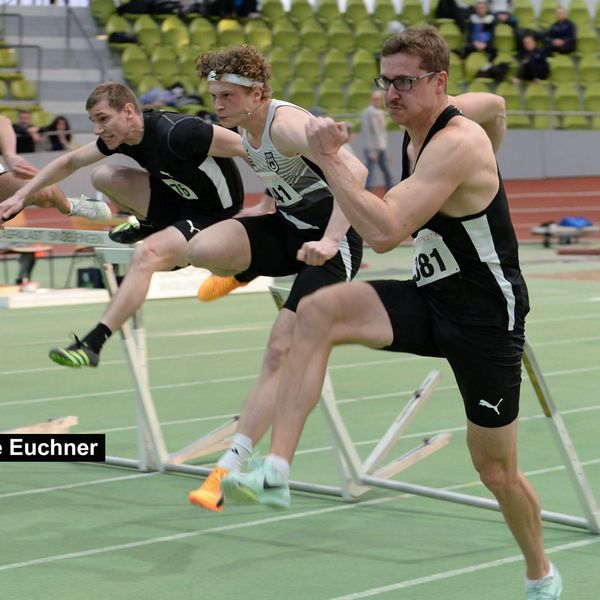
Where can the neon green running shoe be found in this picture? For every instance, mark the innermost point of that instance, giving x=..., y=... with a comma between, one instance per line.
x=547, y=588
x=263, y=485
x=130, y=233
x=78, y=354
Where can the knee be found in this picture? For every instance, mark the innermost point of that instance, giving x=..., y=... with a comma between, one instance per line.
x=149, y=256
x=276, y=353
x=498, y=477
x=102, y=176
x=315, y=315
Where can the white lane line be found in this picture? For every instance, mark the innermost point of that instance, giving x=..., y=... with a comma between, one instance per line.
x=70, y=486
x=409, y=583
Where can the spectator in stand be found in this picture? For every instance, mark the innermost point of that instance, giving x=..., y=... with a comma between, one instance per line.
x=480, y=32
x=27, y=134
x=561, y=36
x=375, y=129
x=533, y=64
x=59, y=134
x=503, y=12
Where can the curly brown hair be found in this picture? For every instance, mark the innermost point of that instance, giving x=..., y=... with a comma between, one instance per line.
x=244, y=60
x=424, y=42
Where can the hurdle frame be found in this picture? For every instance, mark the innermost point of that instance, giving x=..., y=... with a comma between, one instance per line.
x=356, y=477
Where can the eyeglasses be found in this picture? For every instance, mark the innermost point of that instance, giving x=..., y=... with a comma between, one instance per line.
x=402, y=84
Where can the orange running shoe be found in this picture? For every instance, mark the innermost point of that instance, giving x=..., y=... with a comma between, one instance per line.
x=216, y=287
x=209, y=494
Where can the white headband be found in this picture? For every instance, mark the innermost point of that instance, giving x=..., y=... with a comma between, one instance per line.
x=232, y=78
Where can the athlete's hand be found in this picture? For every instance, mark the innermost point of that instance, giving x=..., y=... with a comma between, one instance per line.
x=10, y=208
x=317, y=253
x=21, y=168
x=325, y=136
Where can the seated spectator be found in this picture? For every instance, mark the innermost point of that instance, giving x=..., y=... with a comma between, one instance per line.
x=480, y=32
x=561, y=36
x=58, y=134
x=27, y=134
x=533, y=65
x=503, y=12
x=457, y=10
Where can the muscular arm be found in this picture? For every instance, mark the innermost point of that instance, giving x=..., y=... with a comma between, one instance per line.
x=226, y=143
x=384, y=223
x=489, y=110
x=289, y=135
x=8, y=148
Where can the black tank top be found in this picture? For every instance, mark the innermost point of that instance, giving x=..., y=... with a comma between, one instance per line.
x=468, y=267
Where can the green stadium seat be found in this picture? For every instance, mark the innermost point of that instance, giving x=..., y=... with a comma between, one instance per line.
x=364, y=66
x=452, y=34
x=144, y=22
x=258, y=34
x=336, y=65
x=512, y=97
x=285, y=35
x=147, y=83
x=327, y=12
x=589, y=70
x=203, y=34
x=307, y=66
x=367, y=36
x=330, y=97
x=102, y=10
x=567, y=99
x=135, y=64
x=41, y=117
x=272, y=11
x=578, y=11
x=562, y=69
x=474, y=63
x=164, y=65
x=313, y=36
x=587, y=41
x=384, y=11
x=356, y=13
x=479, y=85
x=412, y=12
x=591, y=102
x=300, y=12
x=524, y=12
x=9, y=58
x=300, y=92
x=23, y=89
x=537, y=98
x=504, y=38
x=3, y=89
x=358, y=95
x=176, y=37
x=148, y=39
x=341, y=36
x=547, y=14
x=282, y=67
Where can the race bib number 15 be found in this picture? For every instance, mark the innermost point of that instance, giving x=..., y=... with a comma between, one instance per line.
x=433, y=259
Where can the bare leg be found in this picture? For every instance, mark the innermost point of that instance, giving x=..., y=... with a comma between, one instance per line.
x=223, y=248
x=257, y=414
x=494, y=454
x=160, y=251
x=127, y=187
x=348, y=313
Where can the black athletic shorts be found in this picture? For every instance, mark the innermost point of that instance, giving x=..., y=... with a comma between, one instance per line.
x=274, y=243
x=168, y=208
x=486, y=361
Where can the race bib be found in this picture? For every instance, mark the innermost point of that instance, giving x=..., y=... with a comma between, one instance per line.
x=282, y=191
x=433, y=260
x=180, y=188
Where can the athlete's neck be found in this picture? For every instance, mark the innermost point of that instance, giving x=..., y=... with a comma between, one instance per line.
x=418, y=131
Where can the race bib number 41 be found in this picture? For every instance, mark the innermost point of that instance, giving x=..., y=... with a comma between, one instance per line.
x=433, y=259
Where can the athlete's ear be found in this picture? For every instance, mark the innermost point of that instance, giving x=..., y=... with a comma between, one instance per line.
x=441, y=81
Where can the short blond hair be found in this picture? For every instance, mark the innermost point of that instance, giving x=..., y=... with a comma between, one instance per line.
x=424, y=42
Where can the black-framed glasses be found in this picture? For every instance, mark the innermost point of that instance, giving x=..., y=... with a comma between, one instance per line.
x=402, y=84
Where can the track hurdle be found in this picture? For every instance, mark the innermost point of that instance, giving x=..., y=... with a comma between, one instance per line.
x=356, y=477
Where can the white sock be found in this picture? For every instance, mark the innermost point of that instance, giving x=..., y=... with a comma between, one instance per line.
x=280, y=464
x=532, y=582
x=238, y=453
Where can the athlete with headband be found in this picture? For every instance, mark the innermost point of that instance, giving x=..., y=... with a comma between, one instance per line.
x=305, y=234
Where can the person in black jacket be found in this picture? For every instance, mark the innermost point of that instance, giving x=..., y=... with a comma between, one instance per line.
x=533, y=64
x=561, y=36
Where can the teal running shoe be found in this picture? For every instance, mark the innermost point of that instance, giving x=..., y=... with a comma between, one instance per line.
x=547, y=588
x=263, y=485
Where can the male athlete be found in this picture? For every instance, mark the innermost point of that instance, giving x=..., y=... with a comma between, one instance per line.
x=467, y=301
x=306, y=234
x=181, y=190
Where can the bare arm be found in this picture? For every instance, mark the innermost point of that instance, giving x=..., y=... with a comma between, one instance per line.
x=226, y=143
x=8, y=147
x=384, y=223
x=53, y=172
x=489, y=110
x=289, y=135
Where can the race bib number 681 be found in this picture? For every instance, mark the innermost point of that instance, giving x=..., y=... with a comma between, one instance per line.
x=432, y=258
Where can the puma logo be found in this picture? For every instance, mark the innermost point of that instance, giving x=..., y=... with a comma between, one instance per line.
x=192, y=228
x=488, y=405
